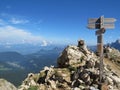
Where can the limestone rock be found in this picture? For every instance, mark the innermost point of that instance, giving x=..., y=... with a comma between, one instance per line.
x=5, y=85
x=69, y=56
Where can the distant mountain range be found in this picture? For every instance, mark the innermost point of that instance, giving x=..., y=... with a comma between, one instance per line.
x=26, y=48
x=14, y=64
x=116, y=44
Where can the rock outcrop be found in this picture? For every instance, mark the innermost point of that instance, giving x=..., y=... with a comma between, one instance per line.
x=112, y=54
x=5, y=85
x=73, y=55
x=78, y=69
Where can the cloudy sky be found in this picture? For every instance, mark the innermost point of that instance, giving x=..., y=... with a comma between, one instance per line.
x=55, y=21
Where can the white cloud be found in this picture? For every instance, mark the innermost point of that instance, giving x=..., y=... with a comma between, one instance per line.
x=44, y=43
x=15, y=65
x=18, y=21
x=12, y=35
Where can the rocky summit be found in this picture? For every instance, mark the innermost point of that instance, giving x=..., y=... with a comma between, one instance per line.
x=78, y=69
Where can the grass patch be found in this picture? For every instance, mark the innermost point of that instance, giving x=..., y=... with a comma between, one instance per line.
x=33, y=88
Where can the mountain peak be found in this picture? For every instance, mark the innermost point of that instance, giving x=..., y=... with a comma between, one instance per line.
x=116, y=44
x=118, y=41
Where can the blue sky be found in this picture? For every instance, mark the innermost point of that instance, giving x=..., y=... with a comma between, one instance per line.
x=55, y=21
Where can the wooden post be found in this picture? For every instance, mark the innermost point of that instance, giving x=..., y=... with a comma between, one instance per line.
x=101, y=47
x=100, y=52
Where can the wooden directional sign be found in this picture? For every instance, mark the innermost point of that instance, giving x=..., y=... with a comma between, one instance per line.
x=109, y=26
x=92, y=20
x=97, y=26
x=93, y=26
x=109, y=20
x=97, y=23
x=106, y=20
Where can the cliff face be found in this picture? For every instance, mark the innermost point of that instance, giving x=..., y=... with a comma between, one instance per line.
x=78, y=69
x=5, y=85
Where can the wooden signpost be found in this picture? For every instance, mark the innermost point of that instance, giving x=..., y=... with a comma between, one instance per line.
x=101, y=24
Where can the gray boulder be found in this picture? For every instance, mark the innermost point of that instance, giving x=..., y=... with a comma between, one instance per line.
x=5, y=85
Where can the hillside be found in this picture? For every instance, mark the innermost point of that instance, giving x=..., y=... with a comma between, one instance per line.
x=115, y=68
x=17, y=65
